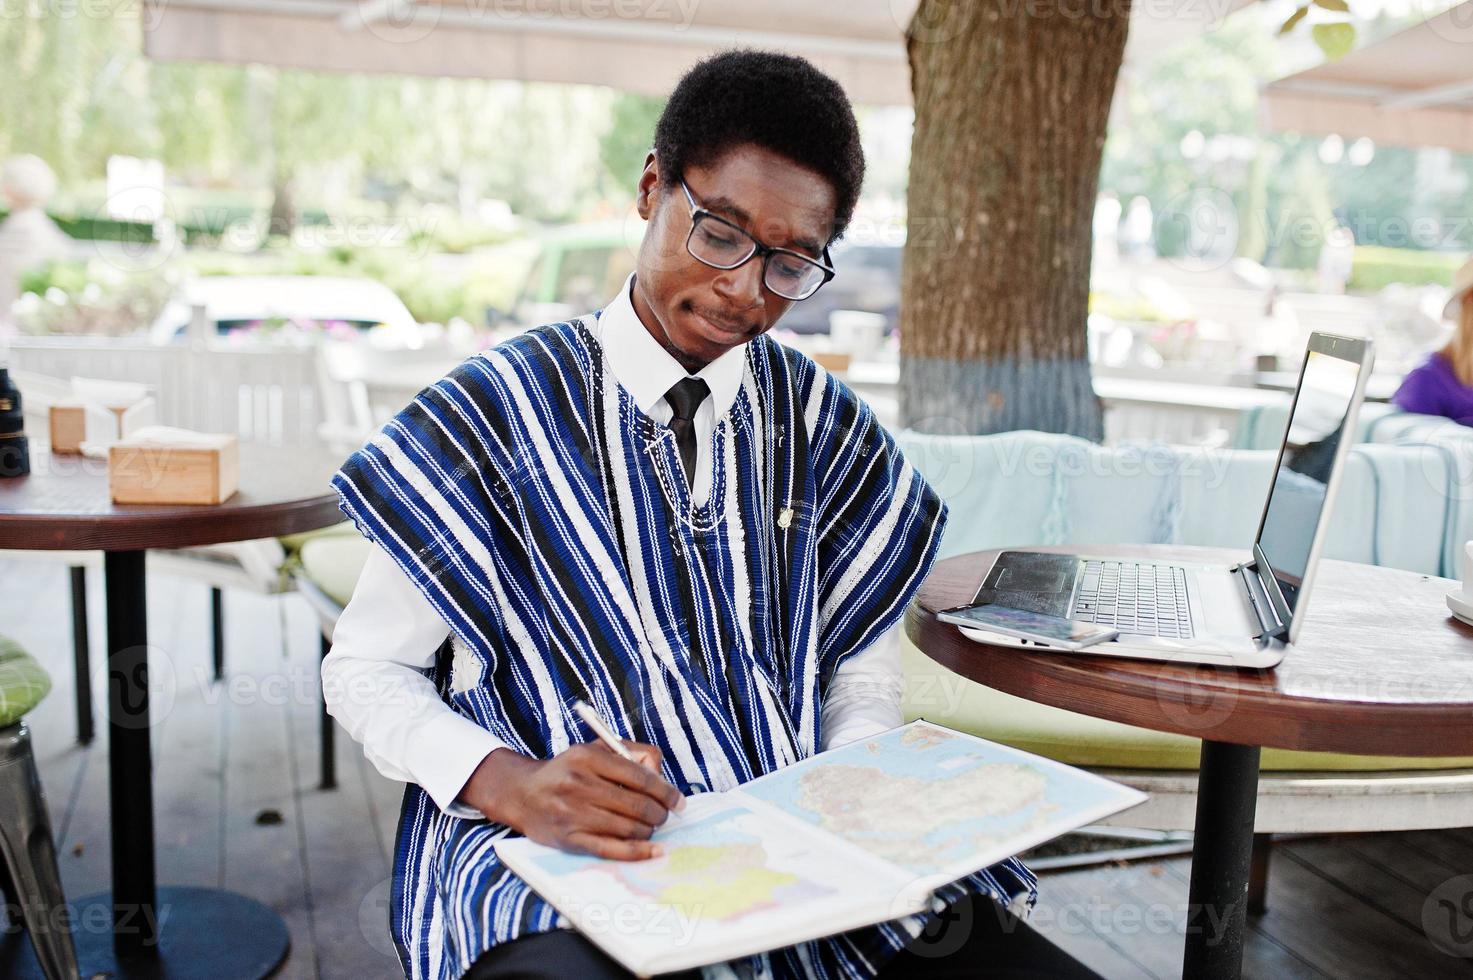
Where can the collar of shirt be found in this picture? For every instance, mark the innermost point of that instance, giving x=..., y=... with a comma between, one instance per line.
x=648, y=371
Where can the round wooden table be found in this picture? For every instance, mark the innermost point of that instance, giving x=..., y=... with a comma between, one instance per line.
x=1381, y=668
x=64, y=505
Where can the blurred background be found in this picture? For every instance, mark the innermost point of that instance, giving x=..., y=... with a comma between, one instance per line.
x=404, y=210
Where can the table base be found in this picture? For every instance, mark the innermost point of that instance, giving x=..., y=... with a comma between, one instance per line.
x=204, y=933
x=1222, y=846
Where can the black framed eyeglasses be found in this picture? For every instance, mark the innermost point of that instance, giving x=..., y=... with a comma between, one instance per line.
x=722, y=245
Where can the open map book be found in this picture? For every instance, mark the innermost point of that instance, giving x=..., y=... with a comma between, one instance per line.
x=847, y=838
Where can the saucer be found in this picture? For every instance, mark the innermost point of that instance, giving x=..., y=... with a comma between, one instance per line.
x=1461, y=607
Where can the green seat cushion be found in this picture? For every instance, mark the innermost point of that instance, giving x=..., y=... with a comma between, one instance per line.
x=332, y=562
x=936, y=694
x=293, y=542
x=22, y=682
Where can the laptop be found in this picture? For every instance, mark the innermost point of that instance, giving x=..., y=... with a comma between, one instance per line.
x=1242, y=615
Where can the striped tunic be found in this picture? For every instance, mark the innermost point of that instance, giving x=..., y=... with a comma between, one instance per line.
x=548, y=520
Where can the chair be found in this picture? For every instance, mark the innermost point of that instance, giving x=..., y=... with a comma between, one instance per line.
x=29, y=878
x=269, y=566
x=326, y=570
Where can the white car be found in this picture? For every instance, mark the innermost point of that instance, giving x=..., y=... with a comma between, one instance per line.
x=289, y=310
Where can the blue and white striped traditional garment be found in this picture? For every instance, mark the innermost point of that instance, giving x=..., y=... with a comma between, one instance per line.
x=548, y=520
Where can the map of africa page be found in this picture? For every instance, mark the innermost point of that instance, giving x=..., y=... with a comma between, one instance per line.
x=939, y=803
x=735, y=879
x=847, y=838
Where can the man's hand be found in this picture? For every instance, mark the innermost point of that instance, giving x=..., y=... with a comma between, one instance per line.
x=587, y=799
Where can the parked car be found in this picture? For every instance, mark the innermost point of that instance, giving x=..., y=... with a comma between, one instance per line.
x=866, y=277
x=575, y=270
x=289, y=310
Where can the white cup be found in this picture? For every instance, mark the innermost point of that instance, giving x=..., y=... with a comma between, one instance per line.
x=1468, y=571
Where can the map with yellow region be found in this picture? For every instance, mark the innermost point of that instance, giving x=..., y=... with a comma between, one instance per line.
x=725, y=876
x=850, y=837
x=719, y=867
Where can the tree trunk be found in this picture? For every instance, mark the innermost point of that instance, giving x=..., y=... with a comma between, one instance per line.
x=1011, y=101
x=282, y=218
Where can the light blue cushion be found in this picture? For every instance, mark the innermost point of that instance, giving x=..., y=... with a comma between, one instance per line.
x=1396, y=507
x=1397, y=503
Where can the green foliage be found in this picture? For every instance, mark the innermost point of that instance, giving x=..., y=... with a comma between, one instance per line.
x=67, y=276
x=1335, y=40
x=78, y=90
x=1336, y=37
x=1284, y=195
x=1375, y=267
x=1208, y=85
x=94, y=298
x=1294, y=19
x=630, y=137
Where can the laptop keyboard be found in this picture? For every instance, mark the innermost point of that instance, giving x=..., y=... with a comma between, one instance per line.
x=1149, y=600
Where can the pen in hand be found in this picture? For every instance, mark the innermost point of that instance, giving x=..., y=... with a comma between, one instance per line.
x=607, y=736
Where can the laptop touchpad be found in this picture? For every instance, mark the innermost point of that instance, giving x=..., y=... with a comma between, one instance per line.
x=1030, y=580
x=1024, y=572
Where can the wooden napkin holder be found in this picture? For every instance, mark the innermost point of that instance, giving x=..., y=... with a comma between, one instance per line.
x=162, y=465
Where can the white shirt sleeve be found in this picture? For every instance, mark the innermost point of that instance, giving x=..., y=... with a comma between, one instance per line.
x=863, y=698
x=374, y=684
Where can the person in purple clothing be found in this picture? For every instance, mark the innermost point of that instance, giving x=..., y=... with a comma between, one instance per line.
x=1443, y=384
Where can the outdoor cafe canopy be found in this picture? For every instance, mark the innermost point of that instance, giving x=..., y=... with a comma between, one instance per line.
x=633, y=45
x=1414, y=88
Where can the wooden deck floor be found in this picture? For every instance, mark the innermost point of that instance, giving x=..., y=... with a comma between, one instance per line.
x=238, y=807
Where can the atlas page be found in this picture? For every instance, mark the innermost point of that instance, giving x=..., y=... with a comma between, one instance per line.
x=940, y=803
x=850, y=837
x=737, y=877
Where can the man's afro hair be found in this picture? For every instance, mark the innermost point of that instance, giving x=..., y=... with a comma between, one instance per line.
x=777, y=101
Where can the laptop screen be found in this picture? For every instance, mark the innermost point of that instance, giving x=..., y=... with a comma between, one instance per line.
x=1296, y=501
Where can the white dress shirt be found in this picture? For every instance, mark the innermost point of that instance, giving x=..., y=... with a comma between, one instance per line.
x=386, y=637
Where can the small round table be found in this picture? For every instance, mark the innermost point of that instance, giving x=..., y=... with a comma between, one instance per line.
x=64, y=505
x=1380, y=668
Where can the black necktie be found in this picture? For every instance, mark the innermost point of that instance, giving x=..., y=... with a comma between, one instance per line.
x=684, y=399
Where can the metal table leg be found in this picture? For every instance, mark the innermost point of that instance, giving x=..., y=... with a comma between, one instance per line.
x=130, y=762
x=81, y=657
x=1227, y=796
